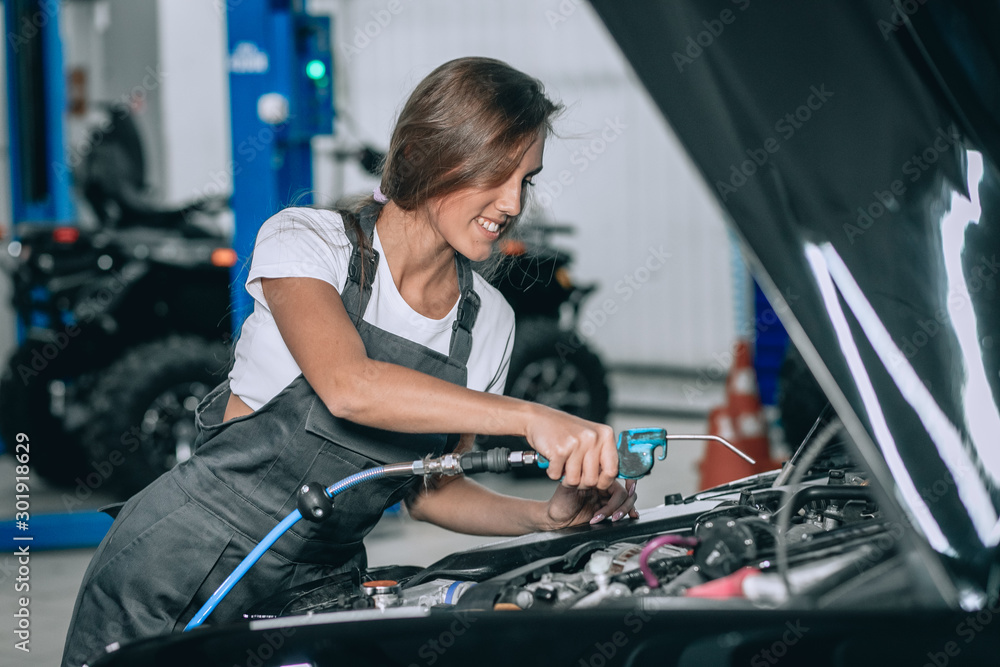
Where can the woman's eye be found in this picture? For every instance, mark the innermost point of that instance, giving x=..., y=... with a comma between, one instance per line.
x=528, y=181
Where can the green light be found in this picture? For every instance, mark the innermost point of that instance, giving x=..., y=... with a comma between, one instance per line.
x=316, y=70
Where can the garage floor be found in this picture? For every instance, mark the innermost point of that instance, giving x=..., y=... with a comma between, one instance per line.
x=56, y=575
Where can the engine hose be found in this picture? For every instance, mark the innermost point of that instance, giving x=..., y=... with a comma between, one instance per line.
x=655, y=544
x=271, y=538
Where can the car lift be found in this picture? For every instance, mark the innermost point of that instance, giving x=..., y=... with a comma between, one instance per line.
x=281, y=95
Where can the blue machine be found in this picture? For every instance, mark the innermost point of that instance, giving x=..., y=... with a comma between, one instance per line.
x=275, y=50
x=278, y=55
x=41, y=184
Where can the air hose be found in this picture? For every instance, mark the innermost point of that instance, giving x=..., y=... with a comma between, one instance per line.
x=316, y=503
x=635, y=460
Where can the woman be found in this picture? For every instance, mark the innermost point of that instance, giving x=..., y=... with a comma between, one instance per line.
x=371, y=338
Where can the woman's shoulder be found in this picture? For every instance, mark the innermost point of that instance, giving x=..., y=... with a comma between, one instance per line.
x=295, y=216
x=305, y=224
x=493, y=305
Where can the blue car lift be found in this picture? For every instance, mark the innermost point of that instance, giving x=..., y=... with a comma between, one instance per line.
x=275, y=49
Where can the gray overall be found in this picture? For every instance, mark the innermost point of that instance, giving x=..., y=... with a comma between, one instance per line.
x=175, y=542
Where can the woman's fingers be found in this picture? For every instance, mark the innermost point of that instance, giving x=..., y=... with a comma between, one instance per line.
x=591, y=471
x=626, y=508
x=580, y=452
x=619, y=504
x=609, y=457
x=614, y=501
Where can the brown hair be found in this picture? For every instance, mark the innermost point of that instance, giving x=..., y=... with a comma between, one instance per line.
x=467, y=124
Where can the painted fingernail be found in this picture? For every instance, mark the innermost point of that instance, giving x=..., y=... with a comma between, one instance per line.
x=597, y=519
x=616, y=516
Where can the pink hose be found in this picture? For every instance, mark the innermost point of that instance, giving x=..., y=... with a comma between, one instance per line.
x=655, y=544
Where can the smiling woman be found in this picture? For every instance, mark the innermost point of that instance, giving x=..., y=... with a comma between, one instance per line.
x=372, y=341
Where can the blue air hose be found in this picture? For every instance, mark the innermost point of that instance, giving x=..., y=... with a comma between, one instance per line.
x=497, y=460
x=271, y=538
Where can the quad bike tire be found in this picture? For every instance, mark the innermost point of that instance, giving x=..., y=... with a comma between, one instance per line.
x=25, y=407
x=805, y=410
x=553, y=367
x=142, y=409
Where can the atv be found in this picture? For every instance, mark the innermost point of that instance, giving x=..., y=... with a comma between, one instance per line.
x=123, y=328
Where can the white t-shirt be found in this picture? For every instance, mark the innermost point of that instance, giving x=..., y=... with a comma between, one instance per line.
x=311, y=243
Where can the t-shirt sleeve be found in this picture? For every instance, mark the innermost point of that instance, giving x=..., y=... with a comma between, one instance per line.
x=299, y=243
x=499, y=381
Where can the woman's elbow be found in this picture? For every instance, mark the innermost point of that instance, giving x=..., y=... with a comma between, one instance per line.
x=346, y=393
x=413, y=508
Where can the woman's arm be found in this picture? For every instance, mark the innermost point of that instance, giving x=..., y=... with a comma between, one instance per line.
x=328, y=349
x=460, y=504
x=464, y=506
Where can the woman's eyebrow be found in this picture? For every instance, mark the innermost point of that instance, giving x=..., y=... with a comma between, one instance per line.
x=534, y=171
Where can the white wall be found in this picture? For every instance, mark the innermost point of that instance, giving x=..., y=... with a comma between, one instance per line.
x=194, y=99
x=168, y=59
x=125, y=66
x=638, y=194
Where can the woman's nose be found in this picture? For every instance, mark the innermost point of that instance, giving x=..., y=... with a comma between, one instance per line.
x=509, y=200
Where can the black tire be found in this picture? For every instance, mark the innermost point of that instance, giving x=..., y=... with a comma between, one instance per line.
x=555, y=368
x=800, y=399
x=25, y=407
x=143, y=409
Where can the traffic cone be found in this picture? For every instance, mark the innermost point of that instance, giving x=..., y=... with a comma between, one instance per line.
x=741, y=421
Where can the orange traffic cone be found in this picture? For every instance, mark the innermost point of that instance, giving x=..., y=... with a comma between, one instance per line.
x=742, y=422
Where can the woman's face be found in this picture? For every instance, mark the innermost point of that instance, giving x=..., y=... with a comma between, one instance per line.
x=471, y=220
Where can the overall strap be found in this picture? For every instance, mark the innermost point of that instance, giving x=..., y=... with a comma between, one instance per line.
x=468, y=310
x=356, y=296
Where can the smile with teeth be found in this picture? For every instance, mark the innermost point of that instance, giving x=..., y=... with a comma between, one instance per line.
x=488, y=225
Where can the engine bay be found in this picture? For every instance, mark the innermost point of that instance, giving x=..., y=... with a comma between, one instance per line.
x=762, y=542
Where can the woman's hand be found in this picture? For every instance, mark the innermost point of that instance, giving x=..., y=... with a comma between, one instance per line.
x=581, y=453
x=572, y=507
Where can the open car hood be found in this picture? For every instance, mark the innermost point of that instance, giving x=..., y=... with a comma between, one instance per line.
x=854, y=146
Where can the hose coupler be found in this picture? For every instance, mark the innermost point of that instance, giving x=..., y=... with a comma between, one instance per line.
x=313, y=502
x=492, y=460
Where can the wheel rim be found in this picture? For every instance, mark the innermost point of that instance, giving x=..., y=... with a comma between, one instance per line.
x=554, y=383
x=168, y=428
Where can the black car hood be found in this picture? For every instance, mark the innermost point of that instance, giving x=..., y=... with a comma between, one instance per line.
x=854, y=146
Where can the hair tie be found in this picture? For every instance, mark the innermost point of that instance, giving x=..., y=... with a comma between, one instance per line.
x=377, y=194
